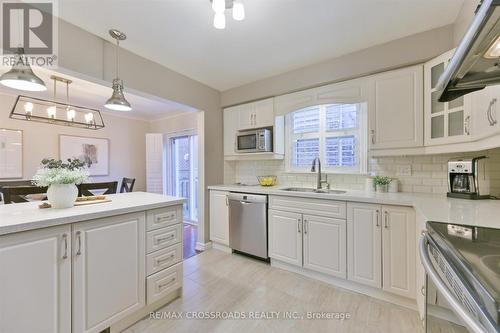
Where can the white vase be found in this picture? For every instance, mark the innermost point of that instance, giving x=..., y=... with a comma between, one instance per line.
x=62, y=195
x=381, y=188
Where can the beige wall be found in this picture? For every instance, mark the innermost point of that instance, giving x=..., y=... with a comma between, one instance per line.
x=174, y=124
x=409, y=50
x=127, y=141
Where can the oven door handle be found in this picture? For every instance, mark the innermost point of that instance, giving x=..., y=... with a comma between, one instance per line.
x=460, y=311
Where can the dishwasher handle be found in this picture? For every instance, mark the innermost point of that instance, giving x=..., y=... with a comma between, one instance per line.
x=247, y=198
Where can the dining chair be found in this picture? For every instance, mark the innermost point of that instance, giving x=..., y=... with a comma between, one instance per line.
x=17, y=194
x=85, y=189
x=13, y=183
x=127, y=185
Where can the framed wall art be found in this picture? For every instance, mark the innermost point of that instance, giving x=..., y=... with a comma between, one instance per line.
x=94, y=152
x=11, y=153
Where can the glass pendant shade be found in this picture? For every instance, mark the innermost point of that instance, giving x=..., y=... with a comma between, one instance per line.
x=238, y=11
x=117, y=101
x=21, y=76
x=219, y=21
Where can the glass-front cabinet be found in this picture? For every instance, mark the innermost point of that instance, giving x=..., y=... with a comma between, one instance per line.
x=448, y=122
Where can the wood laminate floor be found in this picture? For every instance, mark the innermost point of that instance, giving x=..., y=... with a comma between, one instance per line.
x=215, y=281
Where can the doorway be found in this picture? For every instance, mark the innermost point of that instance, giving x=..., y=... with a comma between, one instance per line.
x=183, y=181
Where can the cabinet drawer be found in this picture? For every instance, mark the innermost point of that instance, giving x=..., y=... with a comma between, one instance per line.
x=323, y=207
x=163, y=217
x=164, y=282
x=161, y=238
x=163, y=258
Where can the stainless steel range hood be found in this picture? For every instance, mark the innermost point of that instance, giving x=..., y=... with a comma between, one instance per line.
x=476, y=62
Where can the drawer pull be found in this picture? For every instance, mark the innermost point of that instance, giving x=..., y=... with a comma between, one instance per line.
x=161, y=219
x=164, y=239
x=160, y=261
x=163, y=285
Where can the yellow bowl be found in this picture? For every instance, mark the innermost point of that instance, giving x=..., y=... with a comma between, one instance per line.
x=267, y=180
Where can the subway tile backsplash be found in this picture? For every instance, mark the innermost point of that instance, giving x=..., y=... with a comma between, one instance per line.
x=428, y=173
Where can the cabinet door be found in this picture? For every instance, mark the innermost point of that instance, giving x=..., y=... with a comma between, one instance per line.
x=230, y=128
x=285, y=236
x=35, y=281
x=219, y=217
x=396, y=109
x=364, y=249
x=325, y=245
x=246, y=116
x=485, y=115
x=398, y=250
x=264, y=113
x=448, y=122
x=108, y=270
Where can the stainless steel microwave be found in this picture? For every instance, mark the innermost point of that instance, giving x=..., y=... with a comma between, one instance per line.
x=255, y=141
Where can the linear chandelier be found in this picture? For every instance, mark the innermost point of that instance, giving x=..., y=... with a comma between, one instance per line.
x=57, y=113
x=220, y=6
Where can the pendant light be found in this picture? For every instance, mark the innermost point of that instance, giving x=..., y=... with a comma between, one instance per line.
x=21, y=76
x=117, y=101
x=220, y=6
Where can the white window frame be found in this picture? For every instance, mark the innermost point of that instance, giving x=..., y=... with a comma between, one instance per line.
x=361, y=142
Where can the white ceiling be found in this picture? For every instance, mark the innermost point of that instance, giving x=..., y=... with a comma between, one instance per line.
x=93, y=95
x=277, y=35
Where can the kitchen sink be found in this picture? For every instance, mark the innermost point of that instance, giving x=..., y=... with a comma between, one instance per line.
x=313, y=190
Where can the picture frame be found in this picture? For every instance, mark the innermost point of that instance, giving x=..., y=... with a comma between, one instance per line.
x=11, y=153
x=92, y=151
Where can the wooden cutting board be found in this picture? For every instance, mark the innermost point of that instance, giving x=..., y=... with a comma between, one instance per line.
x=91, y=202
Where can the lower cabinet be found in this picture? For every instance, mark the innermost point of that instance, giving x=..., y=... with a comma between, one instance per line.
x=219, y=217
x=108, y=270
x=35, y=281
x=381, y=247
x=313, y=242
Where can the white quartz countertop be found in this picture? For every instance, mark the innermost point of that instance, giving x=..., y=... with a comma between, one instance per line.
x=27, y=216
x=433, y=207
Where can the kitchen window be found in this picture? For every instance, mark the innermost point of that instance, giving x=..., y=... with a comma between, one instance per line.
x=334, y=132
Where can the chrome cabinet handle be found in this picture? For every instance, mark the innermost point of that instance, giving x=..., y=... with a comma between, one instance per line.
x=227, y=201
x=373, y=136
x=160, y=219
x=489, y=113
x=467, y=125
x=163, y=285
x=422, y=290
x=298, y=226
x=377, y=223
x=170, y=257
x=65, y=239
x=305, y=227
x=79, y=237
x=163, y=239
x=386, y=220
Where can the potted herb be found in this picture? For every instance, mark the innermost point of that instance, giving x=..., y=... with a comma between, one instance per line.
x=381, y=183
x=61, y=179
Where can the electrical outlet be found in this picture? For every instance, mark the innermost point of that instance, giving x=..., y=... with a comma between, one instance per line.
x=404, y=170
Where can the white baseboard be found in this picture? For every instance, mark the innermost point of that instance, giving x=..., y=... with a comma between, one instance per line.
x=203, y=246
x=222, y=247
x=349, y=285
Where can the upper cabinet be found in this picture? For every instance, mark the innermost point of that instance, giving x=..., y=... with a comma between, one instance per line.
x=448, y=122
x=485, y=112
x=396, y=108
x=255, y=115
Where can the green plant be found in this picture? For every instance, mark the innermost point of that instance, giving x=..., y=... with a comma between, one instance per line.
x=382, y=180
x=53, y=171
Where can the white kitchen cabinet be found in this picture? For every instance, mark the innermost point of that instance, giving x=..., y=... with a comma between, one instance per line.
x=254, y=115
x=398, y=250
x=108, y=270
x=448, y=122
x=486, y=114
x=396, y=108
x=364, y=249
x=35, y=281
x=230, y=130
x=324, y=241
x=219, y=217
x=285, y=236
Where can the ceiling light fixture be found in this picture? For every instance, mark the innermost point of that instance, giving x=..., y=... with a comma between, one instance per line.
x=21, y=76
x=219, y=7
x=117, y=101
x=54, y=112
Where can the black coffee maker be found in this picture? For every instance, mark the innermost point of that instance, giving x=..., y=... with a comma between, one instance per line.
x=467, y=178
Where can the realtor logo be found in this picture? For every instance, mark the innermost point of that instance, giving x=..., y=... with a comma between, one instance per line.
x=31, y=26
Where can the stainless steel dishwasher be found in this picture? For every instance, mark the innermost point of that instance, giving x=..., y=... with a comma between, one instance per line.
x=248, y=224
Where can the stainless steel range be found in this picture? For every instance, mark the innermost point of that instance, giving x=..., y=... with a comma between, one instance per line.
x=463, y=278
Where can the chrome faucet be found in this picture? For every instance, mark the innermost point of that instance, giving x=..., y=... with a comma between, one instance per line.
x=320, y=181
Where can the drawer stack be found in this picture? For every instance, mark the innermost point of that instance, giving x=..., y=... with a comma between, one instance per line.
x=163, y=252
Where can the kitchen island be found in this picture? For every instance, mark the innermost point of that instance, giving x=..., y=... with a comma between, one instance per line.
x=87, y=268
